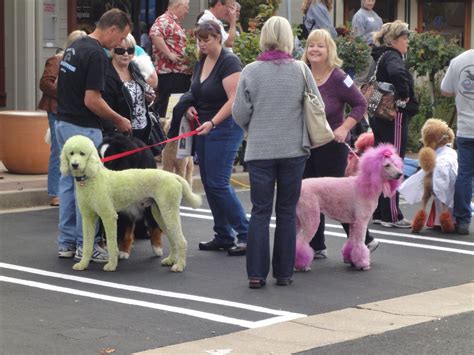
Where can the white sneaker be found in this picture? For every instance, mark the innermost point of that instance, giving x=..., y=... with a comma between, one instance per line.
x=321, y=254
x=403, y=223
x=99, y=255
x=373, y=245
x=376, y=221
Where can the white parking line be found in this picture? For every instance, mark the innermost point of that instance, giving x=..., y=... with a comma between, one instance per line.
x=387, y=241
x=281, y=316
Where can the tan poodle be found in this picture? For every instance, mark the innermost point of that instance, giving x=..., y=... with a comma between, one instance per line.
x=101, y=193
x=183, y=167
x=438, y=162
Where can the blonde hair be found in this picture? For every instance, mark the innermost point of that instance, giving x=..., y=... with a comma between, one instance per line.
x=277, y=35
x=390, y=32
x=130, y=41
x=323, y=35
x=73, y=36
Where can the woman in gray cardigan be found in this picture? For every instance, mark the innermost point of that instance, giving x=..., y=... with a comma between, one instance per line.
x=269, y=106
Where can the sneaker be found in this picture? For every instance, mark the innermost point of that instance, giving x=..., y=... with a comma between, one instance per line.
x=376, y=221
x=373, y=245
x=321, y=254
x=215, y=244
x=237, y=250
x=99, y=255
x=403, y=223
x=462, y=229
x=66, y=252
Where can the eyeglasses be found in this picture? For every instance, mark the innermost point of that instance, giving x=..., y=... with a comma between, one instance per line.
x=121, y=51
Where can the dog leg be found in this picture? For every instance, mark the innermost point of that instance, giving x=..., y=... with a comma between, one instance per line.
x=154, y=232
x=89, y=220
x=155, y=239
x=307, y=223
x=446, y=221
x=360, y=255
x=189, y=171
x=418, y=221
x=110, y=225
x=170, y=221
x=127, y=242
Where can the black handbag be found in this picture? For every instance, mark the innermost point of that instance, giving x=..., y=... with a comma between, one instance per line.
x=157, y=135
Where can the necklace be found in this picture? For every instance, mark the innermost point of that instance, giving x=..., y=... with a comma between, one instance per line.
x=322, y=77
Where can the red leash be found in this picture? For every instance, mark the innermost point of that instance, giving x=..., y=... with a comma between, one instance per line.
x=133, y=151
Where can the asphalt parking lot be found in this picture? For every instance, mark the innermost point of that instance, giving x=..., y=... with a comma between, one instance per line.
x=47, y=308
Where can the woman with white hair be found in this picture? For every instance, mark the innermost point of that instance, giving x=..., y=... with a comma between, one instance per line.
x=366, y=22
x=269, y=106
x=391, y=44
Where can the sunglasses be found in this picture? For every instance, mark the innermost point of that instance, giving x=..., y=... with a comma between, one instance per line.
x=121, y=51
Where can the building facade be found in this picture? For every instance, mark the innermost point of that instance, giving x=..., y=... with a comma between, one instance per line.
x=32, y=30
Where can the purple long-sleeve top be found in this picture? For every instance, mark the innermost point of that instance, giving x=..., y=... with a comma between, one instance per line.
x=337, y=91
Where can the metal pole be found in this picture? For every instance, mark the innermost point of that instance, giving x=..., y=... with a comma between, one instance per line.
x=288, y=10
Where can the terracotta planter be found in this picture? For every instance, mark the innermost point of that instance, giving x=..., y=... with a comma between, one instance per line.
x=22, y=145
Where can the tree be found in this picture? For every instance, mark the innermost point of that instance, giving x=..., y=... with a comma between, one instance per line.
x=251, y=8
x=428, y=54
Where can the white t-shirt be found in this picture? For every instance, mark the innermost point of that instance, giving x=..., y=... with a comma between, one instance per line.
x=459, y=79
x=208, y=16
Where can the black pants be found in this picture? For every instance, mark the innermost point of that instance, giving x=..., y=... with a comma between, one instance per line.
x=328, y=160
x=172, y=83
x=396, y=133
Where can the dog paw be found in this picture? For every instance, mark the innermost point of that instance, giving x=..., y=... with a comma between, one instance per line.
x=177, y=268
x=365, y=268
x=123, y=255
x=79, y=267
x=303, y=269
x=347, y=261
x=110, y=267
x=157, y=250
x=168, y=261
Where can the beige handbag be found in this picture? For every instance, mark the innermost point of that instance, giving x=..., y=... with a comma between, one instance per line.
x=319, y=131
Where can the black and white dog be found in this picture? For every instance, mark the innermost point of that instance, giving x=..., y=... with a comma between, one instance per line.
x=137, y=221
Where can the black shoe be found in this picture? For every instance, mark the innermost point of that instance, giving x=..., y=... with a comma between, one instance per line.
x=256, y=283
x=237, y=250
x=215, y=245
x=284, y=282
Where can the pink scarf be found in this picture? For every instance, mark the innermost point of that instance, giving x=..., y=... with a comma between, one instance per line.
x=275, y=56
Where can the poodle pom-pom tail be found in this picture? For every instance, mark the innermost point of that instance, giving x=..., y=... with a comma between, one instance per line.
x=304, y=255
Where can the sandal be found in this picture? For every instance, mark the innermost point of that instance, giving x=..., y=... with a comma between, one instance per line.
x=256, y=283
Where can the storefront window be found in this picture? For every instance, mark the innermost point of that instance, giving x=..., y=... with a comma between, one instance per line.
x=445, y=17
x=89, y=11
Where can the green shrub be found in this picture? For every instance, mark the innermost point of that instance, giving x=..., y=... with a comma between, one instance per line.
x=354, y=52
x=253, y=8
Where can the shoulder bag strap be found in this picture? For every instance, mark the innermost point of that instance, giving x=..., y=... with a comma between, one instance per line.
x=303, y=70
x=374, y=76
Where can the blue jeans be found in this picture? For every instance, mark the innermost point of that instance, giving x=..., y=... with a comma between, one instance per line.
x=216, y=153
x=287, y=173
x=463, y=188
x=53, y=166
x=70, y=221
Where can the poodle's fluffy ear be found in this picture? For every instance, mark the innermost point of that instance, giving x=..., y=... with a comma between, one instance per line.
x=64, y=164
x=93, y=164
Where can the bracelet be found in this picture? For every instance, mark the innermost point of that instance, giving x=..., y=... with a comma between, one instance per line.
x=213, y=124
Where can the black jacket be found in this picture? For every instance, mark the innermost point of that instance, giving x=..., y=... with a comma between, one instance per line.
x=118, y=98
x=392, y=70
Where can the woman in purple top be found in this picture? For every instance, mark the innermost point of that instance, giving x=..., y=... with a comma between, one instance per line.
x=337, y=89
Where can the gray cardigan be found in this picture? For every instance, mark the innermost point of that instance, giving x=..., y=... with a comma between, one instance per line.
x=269, y=106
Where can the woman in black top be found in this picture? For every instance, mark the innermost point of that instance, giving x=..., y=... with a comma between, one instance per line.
x=213, y=88
x=126, y=90
x=391, y=44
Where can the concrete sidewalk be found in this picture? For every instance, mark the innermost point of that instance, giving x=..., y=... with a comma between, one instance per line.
x=23, y=191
